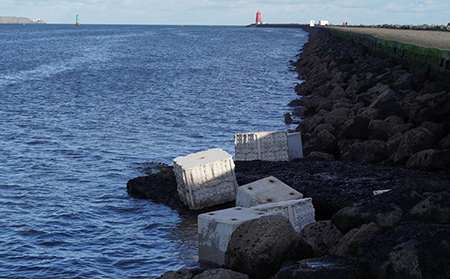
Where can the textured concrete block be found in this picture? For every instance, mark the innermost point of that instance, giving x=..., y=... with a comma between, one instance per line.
x=266, y=146
x=205, y=178
x=215, y=229
x=266, y=190
x=299, y=212
x=295, y=145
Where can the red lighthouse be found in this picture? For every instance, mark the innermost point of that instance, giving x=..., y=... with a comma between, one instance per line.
x=258, y=17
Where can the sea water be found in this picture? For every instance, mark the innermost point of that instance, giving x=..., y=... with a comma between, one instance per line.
x=84, y=109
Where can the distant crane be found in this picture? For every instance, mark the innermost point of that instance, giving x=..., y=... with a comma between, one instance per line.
x=77, y=20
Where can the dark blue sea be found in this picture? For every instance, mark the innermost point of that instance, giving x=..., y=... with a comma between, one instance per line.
x=84, y=109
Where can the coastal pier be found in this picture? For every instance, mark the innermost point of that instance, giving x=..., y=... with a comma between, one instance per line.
x=416, y=48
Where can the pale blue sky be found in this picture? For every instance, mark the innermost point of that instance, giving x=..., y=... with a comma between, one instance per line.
x=230, y=12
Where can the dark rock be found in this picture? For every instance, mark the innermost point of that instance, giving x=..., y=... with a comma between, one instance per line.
x=394, y=120
x=430, y=159
x=434, y=209
x=321, y=236
x=379, y=129
x=320, y=156
x=430, y=107
x=351, y=240
x=323, y=141
x=445, y=142
x=423, y=186
x=357, y=128
x=432, y=87
x=385, y=210
x=369, y=151
x=392, y=145
x=411, y=250
x=413, y=141
x=436, y=128
x=309, y=124
x=328, y=267
x=324, y=127
x=345, y=145
x=385, y=98
x=259, y=247
x=296, y=103
x=391, y=109
x=288, y=119
x=184, y=273
x=401, y=128
x=338, y=117
x=221, y=273
x=403, y=82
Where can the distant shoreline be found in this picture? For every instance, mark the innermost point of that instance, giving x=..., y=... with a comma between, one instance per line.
x=19, y=20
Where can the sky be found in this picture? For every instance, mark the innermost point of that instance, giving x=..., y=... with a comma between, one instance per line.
x=230, y=12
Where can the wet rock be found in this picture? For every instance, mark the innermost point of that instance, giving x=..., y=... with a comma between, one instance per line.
x=259, y=247
x=220, y=273
x=288, y=119
x=357, y=128
x=349, y=243
x=411, y=250
x=369, y=151
x=379, y=129
x=328, y=267
x=184, y=273
x=296, y=103
x=434, y=209
x=321, y=236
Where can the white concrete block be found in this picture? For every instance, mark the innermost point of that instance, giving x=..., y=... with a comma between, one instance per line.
x=266, y=190
x=312, y=23
x=205, y=178
x=295, y=145
x=299, y=212
x=266, y=146
x=323, y=22
x=215, y=229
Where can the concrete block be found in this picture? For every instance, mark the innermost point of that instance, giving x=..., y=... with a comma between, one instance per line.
x=205, y=178
x=299, y=212
x=323, y=22
x=312, y=23
x=266, y=146
x=215, y=229
x=266, y=190
x=295, y=145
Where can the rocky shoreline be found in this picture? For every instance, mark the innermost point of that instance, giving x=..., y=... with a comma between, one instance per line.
x=366, y=117
x=364, y=107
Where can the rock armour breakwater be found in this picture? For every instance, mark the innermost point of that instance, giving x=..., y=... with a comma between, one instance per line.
x=370, y=108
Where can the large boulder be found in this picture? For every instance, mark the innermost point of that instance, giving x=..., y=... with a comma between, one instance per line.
x=338, y=117
x=357, y=127
x=434, y=209
x=430, y=159
x=328, y=267
x=386, y=210
x=349, y=243
x=321, y=236
x=413, y=141
x=369, y=151
x=379, y=129
x=259, y=247
x=411, y=250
